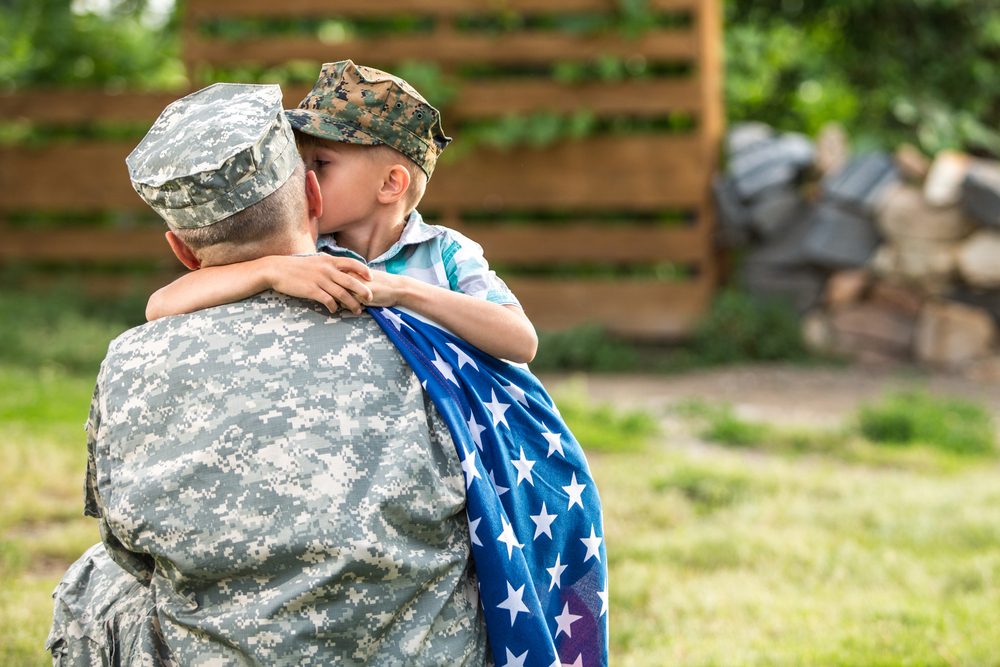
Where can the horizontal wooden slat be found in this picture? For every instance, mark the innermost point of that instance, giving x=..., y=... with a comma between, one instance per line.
x=642, y=171
x=636, y=308
x=71, y=176
x=521, y=244
x=60, y=106
x=632, y=98
x=476, y=99
x=589, y=242
x=629, y=172
x=214, y=9
x=448, y=48
x=524, y=245
x=80, y=245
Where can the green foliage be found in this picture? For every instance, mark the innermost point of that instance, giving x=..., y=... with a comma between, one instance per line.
x=47, y=44
x=923, y=431
x=583, y=348
x=726, y=428
x=890, y=70
x=710, y=489
x=916, y=417
x=60, y=328
x=742, y=328
x=603, y=428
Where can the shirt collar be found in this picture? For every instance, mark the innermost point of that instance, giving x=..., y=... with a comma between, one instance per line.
x=415, y=231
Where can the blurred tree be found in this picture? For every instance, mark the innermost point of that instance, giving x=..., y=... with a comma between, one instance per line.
x=890, y=70
x=94, y=43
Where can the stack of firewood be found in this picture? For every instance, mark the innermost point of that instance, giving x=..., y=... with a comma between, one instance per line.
x=888, y=257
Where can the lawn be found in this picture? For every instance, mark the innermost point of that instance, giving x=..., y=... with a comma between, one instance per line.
x=753, y=554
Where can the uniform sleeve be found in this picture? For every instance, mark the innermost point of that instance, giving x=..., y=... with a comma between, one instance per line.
x=469, y=273
x=138, y=565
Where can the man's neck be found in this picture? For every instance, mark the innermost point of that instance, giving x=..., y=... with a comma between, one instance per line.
x=373, y=237
x=300, y=244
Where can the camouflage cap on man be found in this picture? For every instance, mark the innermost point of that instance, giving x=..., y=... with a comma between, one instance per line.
x=214, y=153
x=355, y=104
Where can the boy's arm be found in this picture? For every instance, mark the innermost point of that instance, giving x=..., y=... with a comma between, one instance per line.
x=333, y=281
x=500, y=330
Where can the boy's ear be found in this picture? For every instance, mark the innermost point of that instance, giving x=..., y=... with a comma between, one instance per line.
x=183, y=252
x=314, y=196
x=395, y=183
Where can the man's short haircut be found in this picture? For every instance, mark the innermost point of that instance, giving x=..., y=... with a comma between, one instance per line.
x=271, y=217
x=385, y=154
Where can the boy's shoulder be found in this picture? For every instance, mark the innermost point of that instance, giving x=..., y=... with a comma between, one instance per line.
x=418, y=231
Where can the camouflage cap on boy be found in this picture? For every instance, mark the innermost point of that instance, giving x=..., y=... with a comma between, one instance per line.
x=355, y=104
x=214, y=153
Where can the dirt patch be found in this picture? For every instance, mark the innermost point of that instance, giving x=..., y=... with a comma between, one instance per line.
x=788, y=395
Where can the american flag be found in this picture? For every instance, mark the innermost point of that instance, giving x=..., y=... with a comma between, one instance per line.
x=534, y=513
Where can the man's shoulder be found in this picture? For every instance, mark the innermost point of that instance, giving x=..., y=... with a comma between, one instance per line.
x=266, y=314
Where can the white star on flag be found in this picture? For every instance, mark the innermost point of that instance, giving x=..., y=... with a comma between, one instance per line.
x=556, y=573
x=443, y=367
x=565, y=620
x=555, y=443
x=463, y=358
x=500, y=489
x=514, y=661
x=497, y=409
x=604, y=600
x=473, y=527
x=575, y=492
x=523, y=466
x=517, y=393
x=576, y=663
x=476, y=429
x=508, y=537
x=514, y=602
x=470, y=469
x=395, y=319
x=543, y=522
x=593, y=544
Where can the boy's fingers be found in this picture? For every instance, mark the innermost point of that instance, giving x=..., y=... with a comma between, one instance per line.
x=353, y=265
x=327, y=300
x=355, y=286
x=345, y=298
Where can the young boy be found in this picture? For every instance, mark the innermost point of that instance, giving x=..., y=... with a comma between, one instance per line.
x=373, y=141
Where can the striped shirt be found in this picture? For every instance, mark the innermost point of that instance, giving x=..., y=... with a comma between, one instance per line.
x=436, y=255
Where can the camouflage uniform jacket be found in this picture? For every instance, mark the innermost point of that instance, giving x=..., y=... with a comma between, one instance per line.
x=279, y=480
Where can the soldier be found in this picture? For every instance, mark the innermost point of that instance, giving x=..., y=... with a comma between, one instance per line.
x=271, y=485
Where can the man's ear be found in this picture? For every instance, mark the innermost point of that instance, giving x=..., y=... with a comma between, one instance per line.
x=314, y=196
x=183, y=252
x=395, y=183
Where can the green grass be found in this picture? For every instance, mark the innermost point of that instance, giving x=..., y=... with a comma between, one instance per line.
x=717, y=561
x=602, y=428
x=914, y=417
x=912, y=429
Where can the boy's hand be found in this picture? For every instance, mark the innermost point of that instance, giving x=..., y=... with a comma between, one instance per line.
x=386, y=289
x=336, y=282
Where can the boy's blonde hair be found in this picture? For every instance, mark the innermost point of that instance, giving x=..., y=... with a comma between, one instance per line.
x=385, y=155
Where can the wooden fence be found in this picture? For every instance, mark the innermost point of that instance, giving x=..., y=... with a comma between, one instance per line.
x=595, y=261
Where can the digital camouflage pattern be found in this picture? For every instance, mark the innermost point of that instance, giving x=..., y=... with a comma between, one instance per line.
x=213, y=153
x=355, y=104
x=119, y=615
x=282, y=483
